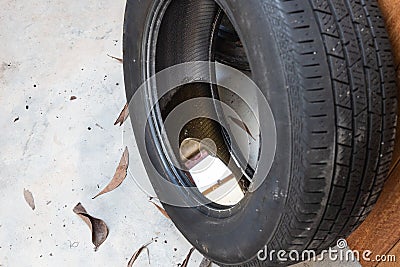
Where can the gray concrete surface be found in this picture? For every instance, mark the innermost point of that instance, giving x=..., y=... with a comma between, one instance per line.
x=63, y=150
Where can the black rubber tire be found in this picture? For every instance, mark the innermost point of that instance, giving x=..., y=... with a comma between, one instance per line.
x=334, y=101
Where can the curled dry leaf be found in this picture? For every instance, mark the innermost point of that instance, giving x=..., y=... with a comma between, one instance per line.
x=116, y=58
x=29, y=199
x=186, y=261
x=242, y=125
x=205, y=263
x=122, y=116
x=98, y=227
x=138, y=252
x=161, y=210
x=119, y=175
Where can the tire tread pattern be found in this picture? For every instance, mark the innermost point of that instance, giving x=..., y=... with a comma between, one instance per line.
x=340, y=51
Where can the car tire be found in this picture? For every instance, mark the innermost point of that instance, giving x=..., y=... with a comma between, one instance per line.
x=326, y=69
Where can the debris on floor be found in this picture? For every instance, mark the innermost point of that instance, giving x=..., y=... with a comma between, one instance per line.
x=186, y=261
x=160, y=209
x=138, y=252
x=122, y=116
x=98, y=227
x=29, y=199
x=119, y=176
x=116, y=58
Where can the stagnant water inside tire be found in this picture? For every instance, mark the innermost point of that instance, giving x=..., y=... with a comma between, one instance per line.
x=205, y=149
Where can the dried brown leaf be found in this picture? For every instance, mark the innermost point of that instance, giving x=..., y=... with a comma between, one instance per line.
x=242, y=125
x=138, y=252
x=98, y=227
x=29, y=198
x=186, y=261
x=205, y=263
x=116, y=58
x=122, y=116
x=119, y=176
x=161, y=210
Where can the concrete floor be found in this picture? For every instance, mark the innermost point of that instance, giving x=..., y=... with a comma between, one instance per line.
x=63, y=150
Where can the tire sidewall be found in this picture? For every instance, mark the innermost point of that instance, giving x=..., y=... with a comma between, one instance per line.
x=234, y=239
